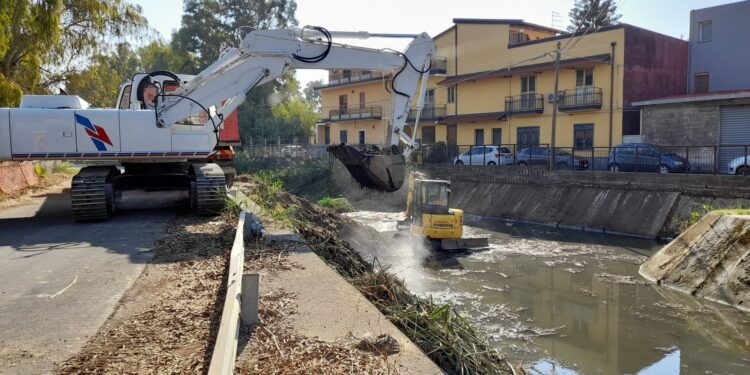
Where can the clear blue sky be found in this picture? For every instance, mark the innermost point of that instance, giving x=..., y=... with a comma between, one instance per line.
x=669, y=17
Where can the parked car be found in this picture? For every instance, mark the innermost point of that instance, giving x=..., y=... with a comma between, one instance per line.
x=540, y=156
x=643, y=157
x=293, y=151
x=740, y=166
x=485, y=155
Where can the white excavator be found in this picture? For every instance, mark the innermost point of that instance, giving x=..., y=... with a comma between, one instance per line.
x=164, y=131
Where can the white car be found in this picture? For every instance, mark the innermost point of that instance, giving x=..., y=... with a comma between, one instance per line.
x=485, y=155
x=740, y=166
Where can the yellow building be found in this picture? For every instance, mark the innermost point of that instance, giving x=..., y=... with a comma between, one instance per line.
x=493, y=83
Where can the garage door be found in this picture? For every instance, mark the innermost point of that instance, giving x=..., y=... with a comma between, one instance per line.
x=735, y=130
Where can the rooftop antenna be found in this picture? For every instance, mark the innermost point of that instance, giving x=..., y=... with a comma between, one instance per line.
x=556, y=21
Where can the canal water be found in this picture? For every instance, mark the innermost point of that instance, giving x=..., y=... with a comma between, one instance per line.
x=571, y=302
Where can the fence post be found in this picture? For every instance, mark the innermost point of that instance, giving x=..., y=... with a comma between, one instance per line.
x=591, y=166
x=716, y=159
x=687, y=157
x=471, y=158
x=249, y=298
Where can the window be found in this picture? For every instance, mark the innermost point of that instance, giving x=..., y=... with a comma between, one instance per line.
x=701, y=82
x=361, y=137
x=497, y=136
x=528, y=84
x=327, y=135
x=584, y=77
x=479, y=137
x=517, y=37
x=451, y=94
x=583, y=137
x=428, y=135
x=704, y=31
x=125, y=100
x=528, y=136
x=429, y=98
x=343, y=103
x=362, y=100
x=342, y=136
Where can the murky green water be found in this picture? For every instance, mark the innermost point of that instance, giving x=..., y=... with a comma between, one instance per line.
x=568, y=302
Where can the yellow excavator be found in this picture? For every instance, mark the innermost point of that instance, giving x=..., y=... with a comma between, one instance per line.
x=428, y=214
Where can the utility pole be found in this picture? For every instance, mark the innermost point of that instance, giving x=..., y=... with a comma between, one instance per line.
x=554, y=105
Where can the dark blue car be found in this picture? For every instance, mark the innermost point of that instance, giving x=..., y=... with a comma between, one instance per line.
x=540, y=156
x=643, y=157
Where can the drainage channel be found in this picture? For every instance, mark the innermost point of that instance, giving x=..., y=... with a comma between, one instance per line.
x=572, y=302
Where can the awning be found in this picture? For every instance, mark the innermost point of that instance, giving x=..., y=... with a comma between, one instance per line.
x=526, y=69
x=475, y=117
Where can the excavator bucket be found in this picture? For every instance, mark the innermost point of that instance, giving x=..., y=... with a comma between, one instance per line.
x=372, y=169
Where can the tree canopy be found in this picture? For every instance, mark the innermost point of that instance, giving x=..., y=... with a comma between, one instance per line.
x=85, y=45
x=592, y=14
x=43, y=41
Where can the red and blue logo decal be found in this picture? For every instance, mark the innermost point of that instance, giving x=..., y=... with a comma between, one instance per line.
x=97, y=133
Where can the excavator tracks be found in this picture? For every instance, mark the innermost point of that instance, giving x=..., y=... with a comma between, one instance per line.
x=209, y=189
x=91, y=194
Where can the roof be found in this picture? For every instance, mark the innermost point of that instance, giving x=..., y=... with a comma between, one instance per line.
x=500, y=73
x=500, y=21
x=697, y=97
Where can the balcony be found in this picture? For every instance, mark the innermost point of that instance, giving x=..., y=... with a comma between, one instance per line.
x=524, y=104
x=429, y=113
x=580, y=99
x=347, y=76
x=439, y=66
x=356, y=113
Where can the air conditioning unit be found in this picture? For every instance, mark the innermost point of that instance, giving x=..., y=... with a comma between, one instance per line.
x=551, y=96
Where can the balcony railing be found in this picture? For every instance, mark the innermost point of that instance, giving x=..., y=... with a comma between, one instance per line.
x=340, y=78
x=356, y=113
x=433, y=112
x=580, y=99
x=439, y=65
x=524, y=104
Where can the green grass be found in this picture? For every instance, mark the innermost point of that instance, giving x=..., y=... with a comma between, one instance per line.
x=337, y=204
x=732, y=211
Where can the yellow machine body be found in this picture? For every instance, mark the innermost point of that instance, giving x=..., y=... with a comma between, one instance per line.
x=436, y=226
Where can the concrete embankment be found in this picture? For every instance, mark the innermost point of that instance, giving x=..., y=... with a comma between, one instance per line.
x=650, y=205
x=710, y=260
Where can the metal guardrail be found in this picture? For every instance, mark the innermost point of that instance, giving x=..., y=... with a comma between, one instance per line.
x=580, y=99
x=432, y=112
x=646, y=158
x=355, y=112
x=340, y=78
x=524, y=104
x=225, y=348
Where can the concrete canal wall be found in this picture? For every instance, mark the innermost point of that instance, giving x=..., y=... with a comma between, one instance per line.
x=710, y=260
x=650, y=205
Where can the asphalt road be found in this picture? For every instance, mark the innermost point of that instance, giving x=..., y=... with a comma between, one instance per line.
x=59, y=281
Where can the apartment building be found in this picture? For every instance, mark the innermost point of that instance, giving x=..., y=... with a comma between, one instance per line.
x=495, y=81
x=719, y=50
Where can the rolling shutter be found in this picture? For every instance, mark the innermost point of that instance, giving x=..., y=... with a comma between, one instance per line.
x=735, y=130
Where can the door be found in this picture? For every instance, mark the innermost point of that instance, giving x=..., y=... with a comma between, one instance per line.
x=734, y=130
x=497, y=136
x=343, y=105
x=528, y=91
x=343, y=136
x=361, y=137
x=327, y=135
x=527, y=136
x=479, y=137
x=361, y=100
x=452, y=138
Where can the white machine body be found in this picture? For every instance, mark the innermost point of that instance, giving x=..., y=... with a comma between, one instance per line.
x=63, y=127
